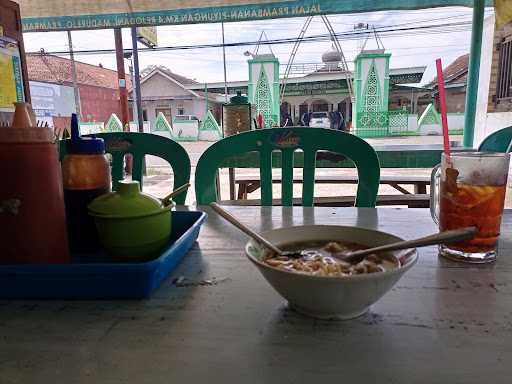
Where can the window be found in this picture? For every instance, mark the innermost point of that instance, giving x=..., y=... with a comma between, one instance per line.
x=504, y=86
x=145, y=115
x=181, y=111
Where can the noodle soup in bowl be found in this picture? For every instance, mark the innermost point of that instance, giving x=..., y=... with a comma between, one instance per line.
x=319, y=285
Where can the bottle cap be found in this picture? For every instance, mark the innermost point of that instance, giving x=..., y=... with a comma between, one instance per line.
x=23, y=116
x=84, y=145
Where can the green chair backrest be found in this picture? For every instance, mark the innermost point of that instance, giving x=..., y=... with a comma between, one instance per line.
x=499, y=141
x=287, y=141
x=118, y=144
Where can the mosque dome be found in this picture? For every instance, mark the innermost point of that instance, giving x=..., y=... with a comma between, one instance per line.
x=331, y=57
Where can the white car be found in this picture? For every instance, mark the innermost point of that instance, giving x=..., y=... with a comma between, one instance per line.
x=320, y=120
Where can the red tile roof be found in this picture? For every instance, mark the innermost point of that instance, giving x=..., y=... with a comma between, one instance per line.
x=180, y=79
x=456, y=72
x=54, y=69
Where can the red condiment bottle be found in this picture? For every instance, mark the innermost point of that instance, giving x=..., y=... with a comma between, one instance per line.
x=32, y=217
x=85, y=175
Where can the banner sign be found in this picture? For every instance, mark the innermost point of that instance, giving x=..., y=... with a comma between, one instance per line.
x=58, y=15
x=11, y=82
x=52, y=99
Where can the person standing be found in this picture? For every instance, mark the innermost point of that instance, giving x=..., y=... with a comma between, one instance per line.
x=332, y=120
x=286, y=120
x=306, y=117
x=333, y=116
x=341, y=121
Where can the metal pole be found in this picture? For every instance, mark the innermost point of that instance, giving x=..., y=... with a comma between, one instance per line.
x=231, y=171
x=224, y=62
x=134, y=93
x=129, y=157
x=412, y=100
x=473, y=72
x=205, y=100
x=73, y=75
x=138, y=98
x=121, y=76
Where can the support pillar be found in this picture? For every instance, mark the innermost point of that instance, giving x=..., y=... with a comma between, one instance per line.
x=136, y=80
x=371, y=90
x=263, y=87
x=121, y=76
x=74, y=76
x=473, y=72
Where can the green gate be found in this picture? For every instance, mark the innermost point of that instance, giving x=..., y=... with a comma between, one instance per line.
x=372, y=124
x=398, y=123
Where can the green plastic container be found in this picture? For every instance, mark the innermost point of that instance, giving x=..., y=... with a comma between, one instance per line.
x=131, y=225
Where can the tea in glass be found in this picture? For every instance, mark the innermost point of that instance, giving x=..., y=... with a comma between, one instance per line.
x=472, y=193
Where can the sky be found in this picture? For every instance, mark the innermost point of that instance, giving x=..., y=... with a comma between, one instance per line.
x=408, y=48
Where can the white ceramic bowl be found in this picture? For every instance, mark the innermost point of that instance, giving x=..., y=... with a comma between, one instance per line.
x=330, y=297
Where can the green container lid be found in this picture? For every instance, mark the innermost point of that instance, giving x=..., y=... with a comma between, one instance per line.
x=238, y=99
x=127, y=201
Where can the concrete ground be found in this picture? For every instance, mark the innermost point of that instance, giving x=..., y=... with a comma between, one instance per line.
x=159, y=174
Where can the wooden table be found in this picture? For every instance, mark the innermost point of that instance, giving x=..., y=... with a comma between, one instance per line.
x=390, y=156
x=249, y=184
x=418, y=199
x=442, y=323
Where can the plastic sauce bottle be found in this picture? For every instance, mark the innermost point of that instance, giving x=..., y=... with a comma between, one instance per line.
x=32, y=217
x=85, y=175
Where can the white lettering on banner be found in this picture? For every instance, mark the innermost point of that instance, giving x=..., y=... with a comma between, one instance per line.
x=201, y=16
x=302, y=10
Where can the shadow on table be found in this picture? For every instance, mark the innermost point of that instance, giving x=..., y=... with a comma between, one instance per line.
x=297, y=348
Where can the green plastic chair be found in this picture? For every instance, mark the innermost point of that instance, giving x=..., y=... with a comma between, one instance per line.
x=499, y=141
x=287, y=141
x=118, y=144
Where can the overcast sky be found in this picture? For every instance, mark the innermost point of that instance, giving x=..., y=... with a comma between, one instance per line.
x=408, y=48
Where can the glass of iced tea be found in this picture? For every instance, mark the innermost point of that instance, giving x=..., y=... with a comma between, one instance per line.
x=468, y=189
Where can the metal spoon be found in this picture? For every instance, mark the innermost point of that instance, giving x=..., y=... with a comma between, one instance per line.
x=438, y=238
x=357, y=256
x=176, y=192
x=248, y=231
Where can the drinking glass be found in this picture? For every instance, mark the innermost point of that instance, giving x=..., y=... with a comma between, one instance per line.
x=468, y=189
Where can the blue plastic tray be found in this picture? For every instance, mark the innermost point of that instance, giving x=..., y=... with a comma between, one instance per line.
x=99, y=277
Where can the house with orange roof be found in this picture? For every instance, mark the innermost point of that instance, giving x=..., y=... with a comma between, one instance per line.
x=52, y=92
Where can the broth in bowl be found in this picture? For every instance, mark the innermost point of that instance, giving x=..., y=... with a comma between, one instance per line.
x=319, y=259
x=320, y=290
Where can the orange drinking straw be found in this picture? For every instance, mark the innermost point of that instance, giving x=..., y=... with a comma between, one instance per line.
x=442, y=103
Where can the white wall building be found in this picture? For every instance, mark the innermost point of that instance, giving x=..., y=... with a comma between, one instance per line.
x=166, y=92
x=494, y=111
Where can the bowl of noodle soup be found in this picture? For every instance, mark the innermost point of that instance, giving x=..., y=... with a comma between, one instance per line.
x=319, y=284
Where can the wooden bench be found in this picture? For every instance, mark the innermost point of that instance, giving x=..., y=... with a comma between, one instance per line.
x=247, y=185
x=412, y=201
x=418, y=199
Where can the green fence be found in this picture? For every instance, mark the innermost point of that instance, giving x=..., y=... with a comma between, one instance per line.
x=372, y=124
x=382, y=124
